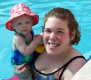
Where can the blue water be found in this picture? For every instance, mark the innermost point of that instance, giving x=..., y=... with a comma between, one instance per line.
x=80, y=8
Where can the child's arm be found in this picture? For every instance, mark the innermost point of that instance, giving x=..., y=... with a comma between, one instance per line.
x=27, y=49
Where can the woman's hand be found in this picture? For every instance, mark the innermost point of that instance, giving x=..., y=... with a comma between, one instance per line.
x=21, y=68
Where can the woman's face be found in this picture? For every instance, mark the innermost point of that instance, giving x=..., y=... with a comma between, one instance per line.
x=56, y=35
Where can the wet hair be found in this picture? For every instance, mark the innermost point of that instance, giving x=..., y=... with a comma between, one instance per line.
x=66, y=14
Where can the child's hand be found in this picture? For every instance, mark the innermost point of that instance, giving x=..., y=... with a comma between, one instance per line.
x=41, y=34
x=38, y=39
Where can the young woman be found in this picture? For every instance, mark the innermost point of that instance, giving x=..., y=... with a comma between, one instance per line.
x=60, y=61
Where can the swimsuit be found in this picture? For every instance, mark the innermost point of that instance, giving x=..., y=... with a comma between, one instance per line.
x=51, y=76
x=17, y=58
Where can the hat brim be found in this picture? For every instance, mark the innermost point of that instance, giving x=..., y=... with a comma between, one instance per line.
x=34, y=16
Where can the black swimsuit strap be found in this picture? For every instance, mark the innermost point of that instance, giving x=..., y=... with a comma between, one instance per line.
x=62, y=67
x=65, y=66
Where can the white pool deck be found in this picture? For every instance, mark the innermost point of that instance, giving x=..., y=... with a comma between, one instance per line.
x=84, y=73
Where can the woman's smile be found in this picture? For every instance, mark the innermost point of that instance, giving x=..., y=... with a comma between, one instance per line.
x=53, y=44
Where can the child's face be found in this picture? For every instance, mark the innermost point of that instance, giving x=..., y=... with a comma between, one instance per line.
x=23, y=24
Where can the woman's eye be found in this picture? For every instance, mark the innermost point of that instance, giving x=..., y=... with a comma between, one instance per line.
x=59, y=32
x=47, y=30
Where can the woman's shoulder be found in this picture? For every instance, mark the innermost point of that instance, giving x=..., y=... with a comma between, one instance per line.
x=76, y=63
x=82, y=73
x=77, y=58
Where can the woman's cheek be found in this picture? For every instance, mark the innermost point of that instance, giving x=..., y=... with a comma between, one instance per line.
x=45, y=37
x=62, y=37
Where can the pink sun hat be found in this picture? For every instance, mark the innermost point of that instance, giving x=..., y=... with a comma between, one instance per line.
x=18, y=10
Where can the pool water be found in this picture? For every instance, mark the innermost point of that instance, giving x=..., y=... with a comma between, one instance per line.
x=80, y=8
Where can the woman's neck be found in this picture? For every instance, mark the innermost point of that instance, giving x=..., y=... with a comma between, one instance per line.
x=62, y=56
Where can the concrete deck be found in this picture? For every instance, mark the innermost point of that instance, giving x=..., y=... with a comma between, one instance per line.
x=84, y=73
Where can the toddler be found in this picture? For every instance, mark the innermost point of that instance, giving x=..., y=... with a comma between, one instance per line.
x=24, y=42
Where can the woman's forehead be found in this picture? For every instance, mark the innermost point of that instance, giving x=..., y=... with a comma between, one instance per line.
x=56, y=22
